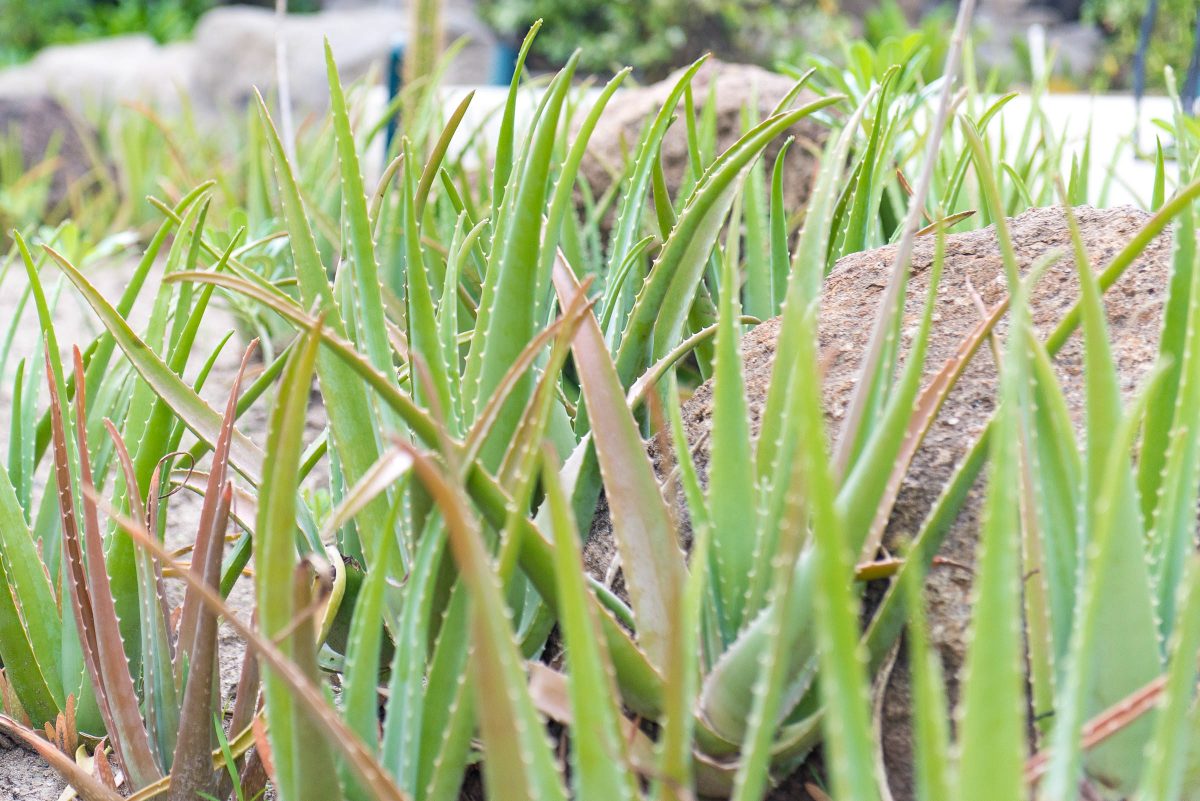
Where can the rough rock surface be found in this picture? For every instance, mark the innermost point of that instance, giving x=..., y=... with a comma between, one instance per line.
x=736, y=86
x=44, y=128
x=852, y=294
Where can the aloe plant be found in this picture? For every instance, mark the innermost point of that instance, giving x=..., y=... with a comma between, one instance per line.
x=488, y=362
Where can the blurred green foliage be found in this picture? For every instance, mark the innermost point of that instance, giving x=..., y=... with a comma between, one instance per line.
x=1170, y=45
x=28, y=25
x=655, y=36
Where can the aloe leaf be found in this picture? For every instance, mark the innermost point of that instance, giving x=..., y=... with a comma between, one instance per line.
x=629, y=220
x=118, y=694
x=423, y=337
x=1085, y=690
x=930, y=713
x=859, y=496
x=113, y=710
x=403, y=748
x=1055, y=455
x=506, y=318
x=642, y=527
x=355, y=432
x=433, y=164
x=803, y=287
x=195, y=413
x=666, y=297
x=304, y=766
x=564, y=187
x=161, y=707
x=503, y=161
x=778, y=227
x=308, y=696
x=863, y=192
x=354, y=207
x=843, y=672
x=1158, y=194
x=520, y=762
x=1174, y=342
x=598, y=765
x=210, y=535
x=448, y=725
x=680, y=764
x=1126, y=605
x=732, y=485
x=991, y=712
x=759, y=287
x=1173, y=529
x=520, y=463
x=1167, y=752
x=770, y=684
x=191, y=766
x=30, y=623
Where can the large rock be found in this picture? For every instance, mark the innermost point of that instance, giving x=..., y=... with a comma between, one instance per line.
x=232, y=53
x=94, y=75
x=44, y=130
x=736, y=86
x=852, y=294
x=235, y=50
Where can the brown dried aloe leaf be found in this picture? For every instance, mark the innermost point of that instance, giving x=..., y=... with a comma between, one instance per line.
x=192, y=767
x=208, y=542
x=110, y=671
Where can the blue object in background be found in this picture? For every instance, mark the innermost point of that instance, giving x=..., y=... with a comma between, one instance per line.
x=395, y=78
x=504, y=64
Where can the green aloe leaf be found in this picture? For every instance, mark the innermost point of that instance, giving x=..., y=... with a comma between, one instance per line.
x=30, y=623
x=183, y=400
x=843, y=670
x=304, y=764
x=507, y=310
x=351, y=418
x=372, y=336
x=90, y=595
x=1167, y=753
x=1173, y=531
x=1126, y=604
x=520, y=763
x=731, y=481
x=665, y=299
x=599, y=767
x=930, y=712
x=992, y=708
